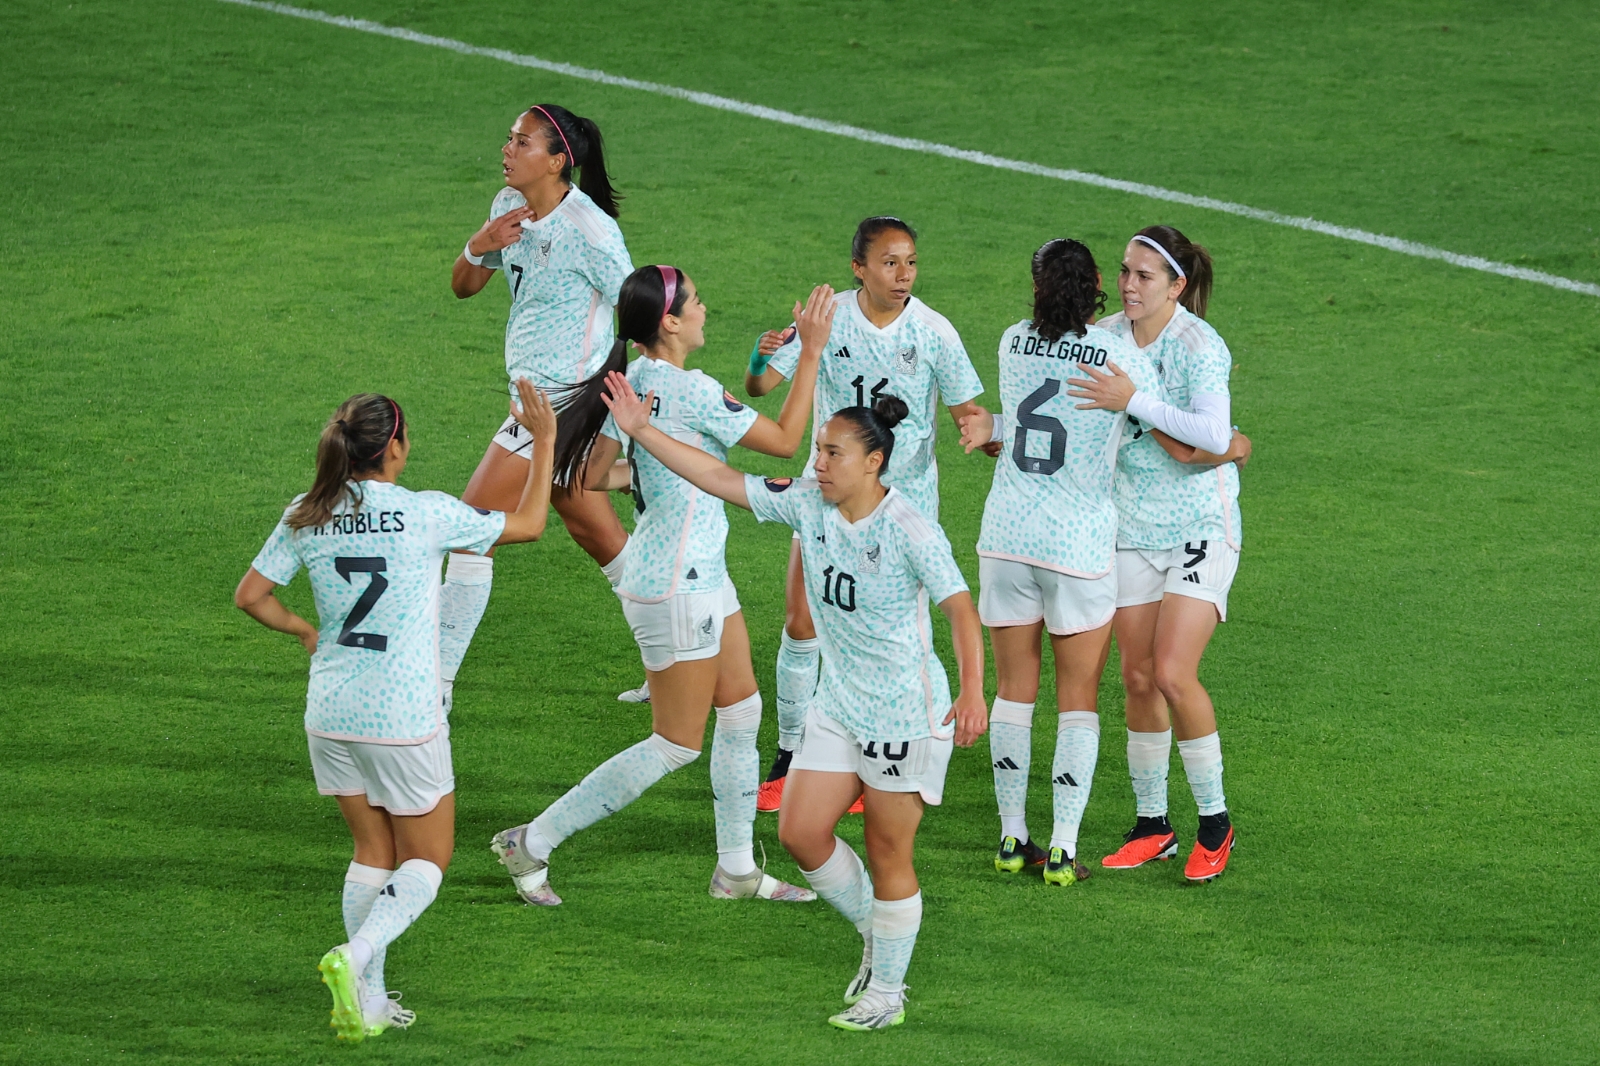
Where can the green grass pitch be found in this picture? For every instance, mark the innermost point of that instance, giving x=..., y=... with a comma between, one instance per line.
x=219, y=222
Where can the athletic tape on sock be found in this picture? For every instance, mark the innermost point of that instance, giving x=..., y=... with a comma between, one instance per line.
x=375, y=876
x=427, y=871
x=746, y=714
x=466, y=569
x=1078, y=720
x=675, y=756
x=1008, y=712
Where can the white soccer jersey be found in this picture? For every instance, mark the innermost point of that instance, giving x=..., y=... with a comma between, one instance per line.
x=564, y=275
x=917, y=357
x=1162, y=503
x=374, y=572
x=1050, y=504
x=680, y=532
x=869, y=585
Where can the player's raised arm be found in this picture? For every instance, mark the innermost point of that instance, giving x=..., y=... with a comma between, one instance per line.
x=470, y=274
x=759, y=377
x=703, y=471
x=783, y=437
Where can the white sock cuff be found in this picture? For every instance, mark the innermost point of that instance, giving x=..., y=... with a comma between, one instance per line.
x=674, y=755
x=469, y=569
x=613, y=570
x=424, y=871
x=1009, y=712
x=842, y=869
x=1078, y=720
x=1201, y=747
x=896, y=918
x=746, y=714
x=1149, y=749
x=375, y=876
x=802, y=647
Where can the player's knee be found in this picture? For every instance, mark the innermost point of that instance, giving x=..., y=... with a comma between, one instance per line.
x=1175, y=681
x=797, y=623
x=1139, y=679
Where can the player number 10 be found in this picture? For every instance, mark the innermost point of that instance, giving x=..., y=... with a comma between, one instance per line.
x=839, y=590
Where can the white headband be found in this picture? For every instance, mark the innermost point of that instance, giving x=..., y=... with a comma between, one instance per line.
x=1173, y=263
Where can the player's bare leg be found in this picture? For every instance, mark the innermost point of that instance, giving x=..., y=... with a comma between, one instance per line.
x=1184, y=628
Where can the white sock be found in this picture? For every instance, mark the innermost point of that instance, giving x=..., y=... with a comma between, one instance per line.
x=797, y=683
x=844, y=882
x=462, y=600
x=1072, y=775
x=1202, y=764
x=361, y=887
x=611, y=786
x=895, y=923
x=1148, y=757
x=735, y=778
x=613, y=570
x=400, y=902
x=1011, y=752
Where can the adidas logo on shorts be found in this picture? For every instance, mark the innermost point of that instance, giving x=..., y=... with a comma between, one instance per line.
x=1192, y=577
x=893, y=771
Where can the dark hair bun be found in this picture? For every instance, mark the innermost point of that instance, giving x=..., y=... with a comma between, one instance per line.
x=891, y=409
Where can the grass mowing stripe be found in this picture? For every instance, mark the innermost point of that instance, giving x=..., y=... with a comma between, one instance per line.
x=913, y=144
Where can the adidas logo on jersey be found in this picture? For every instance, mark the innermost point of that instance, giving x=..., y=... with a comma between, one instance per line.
x=893, y=771
x=1006, y=764
x=1192, y=577
x=1066, y=779
x=691, y=575
x=843, y=352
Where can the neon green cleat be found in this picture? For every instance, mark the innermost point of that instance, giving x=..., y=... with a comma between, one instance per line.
x=343, y=979
x=1013, y=856
x=1063, y=869
x=875, y=1010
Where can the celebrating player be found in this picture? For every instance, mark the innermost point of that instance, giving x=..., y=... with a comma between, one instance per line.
x=884, y=340
x=676, y=592
x=880, y=726
x=1047, y=552
x=564, y=261
x=1178, y=539
x=375, y=714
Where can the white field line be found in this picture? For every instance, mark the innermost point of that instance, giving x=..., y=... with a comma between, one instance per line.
x=911, y=144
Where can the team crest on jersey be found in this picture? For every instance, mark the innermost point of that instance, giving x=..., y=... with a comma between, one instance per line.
x=544, y=251
x=869, y=559
x=905, y=360
x=730, y=403
x=778, y=484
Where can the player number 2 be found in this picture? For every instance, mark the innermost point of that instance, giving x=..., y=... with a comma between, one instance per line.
x=839, y=590
x=877, y=390
x=345, y=566
x=1028, y=418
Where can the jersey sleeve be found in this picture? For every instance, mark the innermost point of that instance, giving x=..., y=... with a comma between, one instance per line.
x=719, y=415
x=463, y=528
x=776, y=499
x=1212, y=365
x=277, y=560
x=935, y=566
x=787, y=359
x=958, y=381
x=606, y=264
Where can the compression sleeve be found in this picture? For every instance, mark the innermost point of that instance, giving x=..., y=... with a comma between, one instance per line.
x=1208, y=426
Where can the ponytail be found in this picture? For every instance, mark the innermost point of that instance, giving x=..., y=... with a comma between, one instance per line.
x=1066, y=290
x=874, y=426
x=1193, y=258
x=641, y=306
x=355, y=441
x=579, y=140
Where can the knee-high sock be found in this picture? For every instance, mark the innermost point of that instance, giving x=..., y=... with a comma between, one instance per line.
x=1148, y=757
x=894, y=936
x=400, y=902
x=844, y=882
x=797, y=682
x=611, y=786
x=361, y=887
x=735, y=777
x=1011, y=751
x=613, y=570
x=462, y=600
x=1072, y=774
x=1202, y=764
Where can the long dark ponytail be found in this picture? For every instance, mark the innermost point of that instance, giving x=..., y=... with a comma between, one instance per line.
x=1066, y=289
x=354, y=442
x=641, y=306
x=874, y=426
x=579, y=140
x=1195, y=261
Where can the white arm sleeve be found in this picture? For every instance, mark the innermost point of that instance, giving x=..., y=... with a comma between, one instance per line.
x=1207, y=427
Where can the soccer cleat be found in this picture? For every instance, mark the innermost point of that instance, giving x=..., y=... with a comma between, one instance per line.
x=1206, y=863
x=769, y=797
x=1062, y=869
x=1012, y=856
x=874, y=1010
x=636, y=695
x=1150, y=838
x=858, y=985
x=343, y=978
x=758, y=885
x=530, y=875
x=390, y=1015
x=859, y=806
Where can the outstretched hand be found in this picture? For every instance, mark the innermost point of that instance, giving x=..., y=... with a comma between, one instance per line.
x=815, y=319
x=535, y=415
x=632, y=414
x=500, y=232
x=1105, y=391
x=970, y=716
x=774, y=339
x=976, y=429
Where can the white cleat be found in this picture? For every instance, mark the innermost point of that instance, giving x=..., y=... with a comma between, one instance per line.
x=388, y=1014
x=636, y=695
x=874, y=1010
x=757, y=885
x=530, y=875
x=858, y=985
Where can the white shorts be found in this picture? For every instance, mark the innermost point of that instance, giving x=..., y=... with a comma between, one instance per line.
x=516, y=440
x=903, y=766
x=1012, y=593
x=680, y=628
x=403, y=779
x=1202, y=569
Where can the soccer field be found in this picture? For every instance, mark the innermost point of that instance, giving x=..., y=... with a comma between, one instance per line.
x=221, y=221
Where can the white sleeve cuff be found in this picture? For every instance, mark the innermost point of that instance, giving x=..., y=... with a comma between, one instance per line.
x=1207, y=426
x=999, y=431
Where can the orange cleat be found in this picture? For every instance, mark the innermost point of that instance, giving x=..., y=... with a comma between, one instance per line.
x=770, y=796
x=1151, y=839
x=859, y=806
x=1205, y=863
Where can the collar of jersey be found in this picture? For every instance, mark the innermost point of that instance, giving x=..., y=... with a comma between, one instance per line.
x=855, y=303
x=863, y=523
x=535, y=224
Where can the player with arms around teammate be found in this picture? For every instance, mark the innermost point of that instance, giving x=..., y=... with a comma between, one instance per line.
x=1178, y=539
x=882, y=723
x=676, y=592
x=375, y=717
x=564, y=260
x=884, y=340
x=1047, y=552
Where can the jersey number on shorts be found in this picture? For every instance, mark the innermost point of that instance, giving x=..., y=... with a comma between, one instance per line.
x=877, y=390
x=839, y=590
x=516, y=286
x=1028, y=418
x=345, y=566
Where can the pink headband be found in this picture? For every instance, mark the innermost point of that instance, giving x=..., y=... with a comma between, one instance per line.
x=671, y=283
x=392, y=432
x=571, y=160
